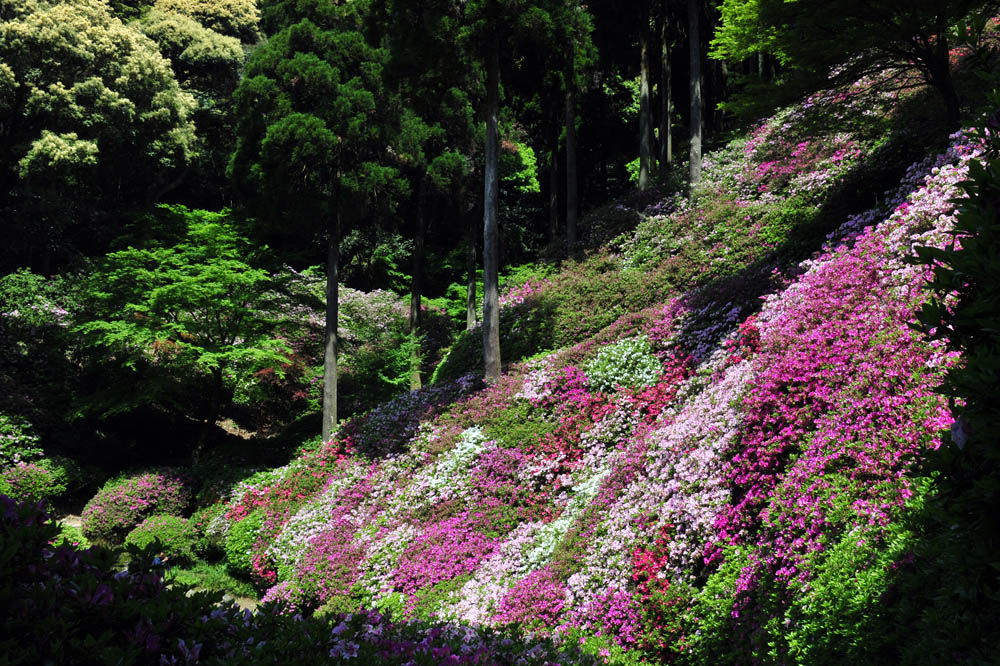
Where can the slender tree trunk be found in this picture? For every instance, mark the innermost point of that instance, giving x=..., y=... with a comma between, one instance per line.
x=694, y=40
x=666, y=94
x=416, y=282
x=645, y=115
x=330, y=348
x=471, y=305
x=491, y=240
x=211, y=413
x=572, y=200
x=554, y=191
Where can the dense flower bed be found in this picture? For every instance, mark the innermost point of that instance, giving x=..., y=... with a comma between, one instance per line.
x=684, y=483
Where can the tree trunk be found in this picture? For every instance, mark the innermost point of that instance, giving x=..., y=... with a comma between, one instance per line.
x=666, y=95
x=645, y=115
x=554, y=191
x=471, y=306
x=416, y=286
x=330, y=348
x=939, y=69
x=491, y=240
x=572, y=200
x=211, y=413
x=694, y=41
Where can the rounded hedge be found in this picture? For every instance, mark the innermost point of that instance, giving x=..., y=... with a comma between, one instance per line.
x=240, y=541
x=124, y=502
x=175, y=535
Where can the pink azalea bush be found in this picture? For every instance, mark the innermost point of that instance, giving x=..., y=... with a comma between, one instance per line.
x=122, y=503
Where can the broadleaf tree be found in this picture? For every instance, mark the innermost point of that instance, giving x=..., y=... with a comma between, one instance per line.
x=182, y=307
x=844, y=40
x=93, y=125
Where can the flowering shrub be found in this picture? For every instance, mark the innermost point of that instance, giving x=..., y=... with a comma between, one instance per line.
x=173, y=536
x=17, y=442
x=31, y=481
x=538, y=599
x=715, y=467
x=329, y=567
x=629, y=363
x=124, y=502
x=67, y=606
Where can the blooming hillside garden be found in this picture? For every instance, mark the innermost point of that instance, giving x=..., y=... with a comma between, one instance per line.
x=720, y=475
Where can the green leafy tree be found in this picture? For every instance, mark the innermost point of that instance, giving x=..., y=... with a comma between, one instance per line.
x=314, y=122
x=843, y=40
x=92, y=122
x=181, y=308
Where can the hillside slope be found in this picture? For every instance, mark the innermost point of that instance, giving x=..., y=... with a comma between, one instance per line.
x=715, y=465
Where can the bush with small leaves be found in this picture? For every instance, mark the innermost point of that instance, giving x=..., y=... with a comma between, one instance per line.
x=174, y=534
x=125, y=501
x=30, y=482
x=17, y=442
x=629, y=363
x=240, y=541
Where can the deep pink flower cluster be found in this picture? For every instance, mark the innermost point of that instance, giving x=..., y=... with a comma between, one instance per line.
x=843, y=397
x=444, y=550
x=329, y=566
x=537, y=599
x=124, y=503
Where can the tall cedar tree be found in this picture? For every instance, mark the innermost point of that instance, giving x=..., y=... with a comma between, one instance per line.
x=432, y=74
x=313, y=124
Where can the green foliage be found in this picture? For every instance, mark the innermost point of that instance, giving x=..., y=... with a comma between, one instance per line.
x=238, y=19
x=519, y=425
x=46, y=478
x=199, y=56
x=430, y=599
x=843, y=41
x=126, y=500
x=104, y=122
x=191, y=307
x=952, y=598
x=30, y=482
x=171, y=536
x=629, y=363
x=71, y=535
x=519, y=167
x=210, y=540
x=17, y=441
x=212, y=577
x=240, y=541
x=296, y=152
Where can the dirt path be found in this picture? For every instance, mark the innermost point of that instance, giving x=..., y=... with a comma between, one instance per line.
x=72, y=520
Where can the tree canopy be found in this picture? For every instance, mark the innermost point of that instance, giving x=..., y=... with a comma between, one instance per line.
x=844, y=40
x=91, y=115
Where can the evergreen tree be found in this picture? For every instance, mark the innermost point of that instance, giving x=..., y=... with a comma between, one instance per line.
x=314, y=122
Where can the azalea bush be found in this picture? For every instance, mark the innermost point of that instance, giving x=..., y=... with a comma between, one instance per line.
x=74, y=606
x=629, y=363
x=124, y=502
x=171, y=536
x=17, y=441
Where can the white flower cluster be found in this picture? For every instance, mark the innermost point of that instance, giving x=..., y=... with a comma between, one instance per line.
x=629, y=362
